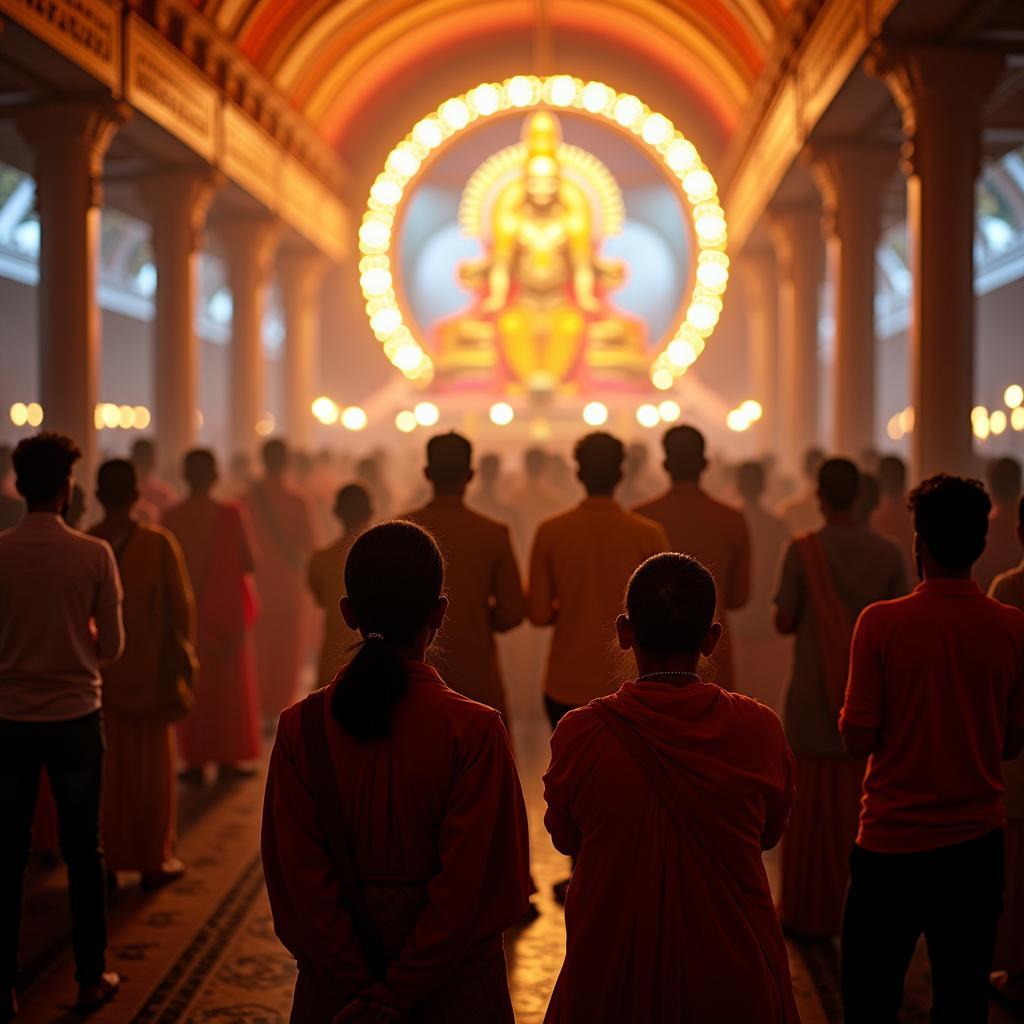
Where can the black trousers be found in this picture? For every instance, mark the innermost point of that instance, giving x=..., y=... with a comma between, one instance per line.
x=72, y=753
x=556, y=711
x=954, y=896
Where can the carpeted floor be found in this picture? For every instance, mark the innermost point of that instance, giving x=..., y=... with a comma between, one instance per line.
x=203, y=950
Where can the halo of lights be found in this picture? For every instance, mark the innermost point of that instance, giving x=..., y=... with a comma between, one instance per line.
x=502, y=414
x=325, y=410
x=669, y=410
x=679, y=156
x=427, y=414
x=354, y=418
x=405, y=421
x=648, y=416
x=109, y=416
x=595, y=414
x=744, y=416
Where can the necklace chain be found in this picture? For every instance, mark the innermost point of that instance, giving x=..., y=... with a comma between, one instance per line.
x=649, y=676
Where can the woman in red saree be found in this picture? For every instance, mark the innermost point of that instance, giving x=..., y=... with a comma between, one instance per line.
x=667, y=792
x=395, y=842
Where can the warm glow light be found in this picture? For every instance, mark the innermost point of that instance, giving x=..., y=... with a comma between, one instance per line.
x=19, y=414
x=1013, y=396
x=111, y=415
x=502, y=414
x=392, y=186
x=906, y=420
x=142, y=417
x=893, y=428
x=669, y=410
x=980, y=422
x=427, y=414
x=406, y=421
x=648, y=416
x=997, y=422
x=1017, y=418
x=34, y=414
x=752, y=410
x=325, y=410
x=595, y=414
x=354, y=418
x=735, y=420
x=265, y=424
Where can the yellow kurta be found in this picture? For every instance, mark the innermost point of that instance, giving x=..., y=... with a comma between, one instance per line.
x=485, y=594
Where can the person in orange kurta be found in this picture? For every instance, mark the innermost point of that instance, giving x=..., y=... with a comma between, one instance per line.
x=1002, y=551
x=326, y=577
x=827, y=579
x=485, y=592
x=139, y=809
x=223, y=726
x=579, y=568
x=714, y=533
x=284, y=539
x=395, y=841
x=667, y=792
x=1009, y=960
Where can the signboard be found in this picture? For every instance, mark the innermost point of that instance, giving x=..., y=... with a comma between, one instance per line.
x=250, y=157
x=87, y=32
x=169, y=90
x=311, y=208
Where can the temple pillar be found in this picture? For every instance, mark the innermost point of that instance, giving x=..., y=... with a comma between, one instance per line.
x=850, y=179
x=799, y=257
x=756, y=272
x=940, y=93
x=248, y=245
x=178, y=202
x=69, y=141
x=300, y=274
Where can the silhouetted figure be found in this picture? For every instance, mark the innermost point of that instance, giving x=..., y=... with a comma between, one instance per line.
x=802, y=512
x=761, y=654
x=487, y=497
x=1009, y=956
x=667, y=792
x=240, y=476
x=638, y=482
x=936, y=698
x=1002, y=551
x=223, y=727
x=484, y=588
x=827, y=578
x=76, y=509
x=535, y=499
x=284, y=538
x=869, y=495
x=892, y=517
x=12, y=508
x=699, y=525
x=147, y=689
x=152, y=490
x=354, y=511
x=370, y=473
x=60, y=619
x=395, y=840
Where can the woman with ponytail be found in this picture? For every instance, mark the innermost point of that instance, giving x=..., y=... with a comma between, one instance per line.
x=395, y=841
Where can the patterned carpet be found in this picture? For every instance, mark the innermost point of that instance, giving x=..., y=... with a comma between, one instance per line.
x=203, y=950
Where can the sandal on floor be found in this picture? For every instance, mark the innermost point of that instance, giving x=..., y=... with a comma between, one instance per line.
x=170, y=871
x=92, y=997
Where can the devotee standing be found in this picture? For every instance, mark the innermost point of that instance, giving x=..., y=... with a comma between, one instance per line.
x=667, y=792
x=152, y=490
x=802, y=513
x=395, y=842
x=828, y=577
x=485, y=591
x=60, y=619
x=892, y=517
x=487, y=498
x=535, y=500
x=761, y=654
x=223, y=727
x=354, y=511
x=12, y=508
x=1002, y=551
x=147, y=689
x=284, y=539
x=699, y=525
x=1009, y=955
x=581, y=562
x=638, y=483
x=935, y=698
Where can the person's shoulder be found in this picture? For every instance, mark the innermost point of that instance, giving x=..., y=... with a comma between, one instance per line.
x=1010, y=614
x=1006, y=584
x=644, y=523
x=881, y=615
x=578, y=723
x=559, y=521
x=651, y=508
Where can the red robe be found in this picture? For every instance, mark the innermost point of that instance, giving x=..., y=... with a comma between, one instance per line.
x=441, y=844
x=653, y=932
x=223, y=726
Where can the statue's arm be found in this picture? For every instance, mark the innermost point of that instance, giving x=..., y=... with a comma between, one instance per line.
x=499, y=273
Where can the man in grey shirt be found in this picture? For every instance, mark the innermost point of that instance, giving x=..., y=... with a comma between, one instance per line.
x=60, y=620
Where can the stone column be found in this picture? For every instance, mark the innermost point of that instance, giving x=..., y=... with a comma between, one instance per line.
x=851, y=179
x=939, y=93
x=248, y=245
x=756, y=272
x=799, y=259
x=177, y=202
x=300, y=274
x=69, y=141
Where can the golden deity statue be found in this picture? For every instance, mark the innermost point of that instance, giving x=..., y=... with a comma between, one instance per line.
x=542, y=319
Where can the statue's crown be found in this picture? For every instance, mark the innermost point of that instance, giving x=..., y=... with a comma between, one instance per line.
x=542, y=135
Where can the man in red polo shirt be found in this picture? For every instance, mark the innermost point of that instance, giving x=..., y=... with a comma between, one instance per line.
x=936, y=698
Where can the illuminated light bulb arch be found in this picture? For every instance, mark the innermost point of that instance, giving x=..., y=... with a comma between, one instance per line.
x=559, y=92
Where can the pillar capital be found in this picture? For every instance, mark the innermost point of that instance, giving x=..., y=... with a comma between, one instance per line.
x=180, y=197
x=795, y=232
x=249, y=241
x=850, y=178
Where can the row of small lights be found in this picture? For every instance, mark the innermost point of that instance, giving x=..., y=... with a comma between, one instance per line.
x=679, y=155
x=328, y=412
x=983, y=422
x=107, y=416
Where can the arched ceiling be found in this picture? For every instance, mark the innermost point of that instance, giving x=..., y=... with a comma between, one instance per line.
x=335, y=59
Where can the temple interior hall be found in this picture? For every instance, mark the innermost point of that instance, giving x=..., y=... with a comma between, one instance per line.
x=302, y=238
